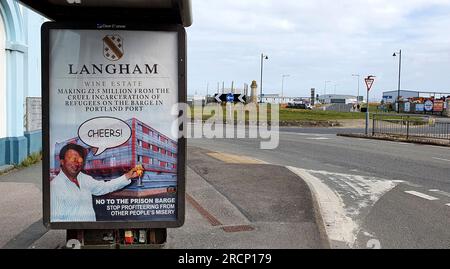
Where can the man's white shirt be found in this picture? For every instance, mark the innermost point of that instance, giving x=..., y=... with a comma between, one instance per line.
x=68, y=203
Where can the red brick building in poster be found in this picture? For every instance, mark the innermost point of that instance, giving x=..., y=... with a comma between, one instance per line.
x=156, y=152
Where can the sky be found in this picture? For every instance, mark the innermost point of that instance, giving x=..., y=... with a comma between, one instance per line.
x=318, y=41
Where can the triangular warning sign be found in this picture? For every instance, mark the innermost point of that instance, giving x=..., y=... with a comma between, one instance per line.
x=369, y=83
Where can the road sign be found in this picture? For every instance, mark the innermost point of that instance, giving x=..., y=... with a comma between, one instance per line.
x=438, y=106
x=369, y=82
x=236, y=98
x=407, y=107
x=230, y=98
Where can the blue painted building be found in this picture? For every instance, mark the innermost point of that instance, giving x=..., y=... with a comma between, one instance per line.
x=20, y=77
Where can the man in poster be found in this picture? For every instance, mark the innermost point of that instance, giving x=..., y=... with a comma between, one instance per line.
x=71, y=190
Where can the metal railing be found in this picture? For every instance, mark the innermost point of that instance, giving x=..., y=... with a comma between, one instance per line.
x=410, y=126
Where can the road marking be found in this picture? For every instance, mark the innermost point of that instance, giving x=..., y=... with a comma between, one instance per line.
x=422, y=195
x=399, y=143
x=318, y=138
x=412, y=184
x=440, y=159
x=234, y=159
x=338, y=226
x=441, y=192
x=447, y=204
x=341, y=198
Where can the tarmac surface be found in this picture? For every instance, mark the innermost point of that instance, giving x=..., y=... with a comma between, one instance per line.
x=232, y=202
x=374, y=194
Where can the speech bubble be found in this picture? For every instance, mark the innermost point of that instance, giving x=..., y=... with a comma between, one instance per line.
x=104, y=133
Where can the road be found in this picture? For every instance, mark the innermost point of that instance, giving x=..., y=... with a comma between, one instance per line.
x=386, y=194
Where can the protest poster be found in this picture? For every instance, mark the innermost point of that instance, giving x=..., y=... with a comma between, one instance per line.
x=111, y=158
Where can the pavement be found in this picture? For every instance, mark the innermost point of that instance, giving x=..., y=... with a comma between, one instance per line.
x=21, y=207
x=398, y=138
x=232, y=202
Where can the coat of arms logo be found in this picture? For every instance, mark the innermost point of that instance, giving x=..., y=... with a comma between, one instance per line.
x=113, y=47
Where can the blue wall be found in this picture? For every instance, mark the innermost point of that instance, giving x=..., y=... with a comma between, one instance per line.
x=3, y=151
x=34, y=141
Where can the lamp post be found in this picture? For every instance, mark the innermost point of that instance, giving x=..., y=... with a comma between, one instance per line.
x=282, y=87
x=263, y=57
x=325, y=90
x=399, y=77
x=357, y=96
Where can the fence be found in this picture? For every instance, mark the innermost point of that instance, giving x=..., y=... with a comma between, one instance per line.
x=338, y=107
x=410, y=126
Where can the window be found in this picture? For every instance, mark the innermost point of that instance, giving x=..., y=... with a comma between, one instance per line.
x=145, y=145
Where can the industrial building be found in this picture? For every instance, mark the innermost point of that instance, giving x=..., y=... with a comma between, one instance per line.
x=390, y=97
x=337, y=99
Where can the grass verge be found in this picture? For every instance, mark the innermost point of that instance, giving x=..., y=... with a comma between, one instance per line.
x=30, y=160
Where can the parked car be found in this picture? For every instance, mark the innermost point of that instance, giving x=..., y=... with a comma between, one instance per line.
x=295, y=105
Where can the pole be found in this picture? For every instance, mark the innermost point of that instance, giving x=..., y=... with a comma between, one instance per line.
x=367, y=114
x=207, y=90
x=325, y=91
x=373, y=124
x=399, y=80
x=282, y=87
x=357, y=96
x=261, y=82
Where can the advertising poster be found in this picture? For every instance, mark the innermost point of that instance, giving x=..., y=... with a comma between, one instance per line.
x=428, y=106
x=407, y=107
x=438, y=106
x=112, y=155
x=420, y=107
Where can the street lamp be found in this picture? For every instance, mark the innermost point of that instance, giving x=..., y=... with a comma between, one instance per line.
x=357, y=96
x=282, y=87
x=335, y=85
x=399, y=77
x=325, y=90
x=263, y=57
